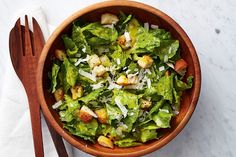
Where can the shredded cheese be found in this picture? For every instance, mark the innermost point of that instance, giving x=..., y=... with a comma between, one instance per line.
x=146, y=26
x=170, y=65
x=98, y=85
x=82, y=60
x=57, y=104
x=88, y=75
x=161, y=68
x=154, y=26
x=121, y=106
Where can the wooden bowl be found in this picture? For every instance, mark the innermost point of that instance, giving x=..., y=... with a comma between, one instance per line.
x=143, y=13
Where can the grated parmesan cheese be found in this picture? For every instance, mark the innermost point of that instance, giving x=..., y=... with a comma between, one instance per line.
x=89, y=111
x=166, y=58
x=146, y=26
x=154, y=26
x=161, y=68
x=88, y=75
x=149, y=83
x=127, y=37
x=112, y=85
x=170, y=65
x=118, y=61
x=108, y=26
x=57, y=104
x=82, y=60
x=97, y=86
x=121, y=106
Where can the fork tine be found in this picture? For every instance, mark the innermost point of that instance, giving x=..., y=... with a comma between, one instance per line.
x=28, y=43
x=37, y=38
x=18, y=29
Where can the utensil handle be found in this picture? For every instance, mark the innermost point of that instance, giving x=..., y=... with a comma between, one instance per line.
x=57, y=140
x=36, y=123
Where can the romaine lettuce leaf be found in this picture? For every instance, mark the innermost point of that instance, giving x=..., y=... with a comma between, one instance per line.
x=148, y=134
x=104, y=129
x=122, y=23
x=156, y=107
x=93, y=96
x=113, y=112
x=79, y=40
x=68, y=108
x=71, y=72
x=167, y=48
x=180, y=85
x=145, y=42
x=103, y=35
x=71, y=48
x=165, y=87
x=126, y=98
x=162, y=118
x=161, y=34
x=127, y=142
x=119, y=54
x=55, y=70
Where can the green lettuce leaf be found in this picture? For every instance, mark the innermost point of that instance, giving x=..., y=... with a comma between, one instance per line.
x=148, y=134
x=145, y=42
x=126, y=98
x=101, y=35
x=119, y=54
x=93, y=96
x=161, y=34
x=86, y=131
x=79, y=40
x=123, y=22
x=55, y=70
x=68, y=108
x=113, y=112
x=156, y=107
x=104, y=129
x=165, y=87
x=127, y=142
x=167, y=48
x=180, y=85
x=72, y=72
x=71, y=48
x=162, y=118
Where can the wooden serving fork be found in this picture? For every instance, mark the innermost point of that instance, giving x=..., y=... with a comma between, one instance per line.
x=25, y=48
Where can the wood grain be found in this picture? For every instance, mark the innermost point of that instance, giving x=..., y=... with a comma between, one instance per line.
x=25, y=63
x=38, y=46
x=143, y=13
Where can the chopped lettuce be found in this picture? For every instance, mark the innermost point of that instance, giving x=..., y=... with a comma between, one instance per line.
x=71, y=48
x=148, y=134
x=123, y=22
x=55, y=70
x=126, y=98
x=180, y=85
x=79, y=39
x=118, y=54
x=100, y=35
x=127, y=142
x=68, y=108
x=93, y=96
x=145, y=42
x=119, y=49
x=165, y=87
x=162, y=118
x=71, y=72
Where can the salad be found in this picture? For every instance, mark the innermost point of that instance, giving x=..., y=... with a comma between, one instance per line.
x=118, y=81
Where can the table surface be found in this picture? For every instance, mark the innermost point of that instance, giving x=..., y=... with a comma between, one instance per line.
x=210, y=24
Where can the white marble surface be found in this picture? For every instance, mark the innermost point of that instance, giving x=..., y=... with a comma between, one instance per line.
x=211, y=25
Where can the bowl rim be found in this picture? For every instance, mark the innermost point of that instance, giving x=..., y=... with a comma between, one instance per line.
x=117, y=3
